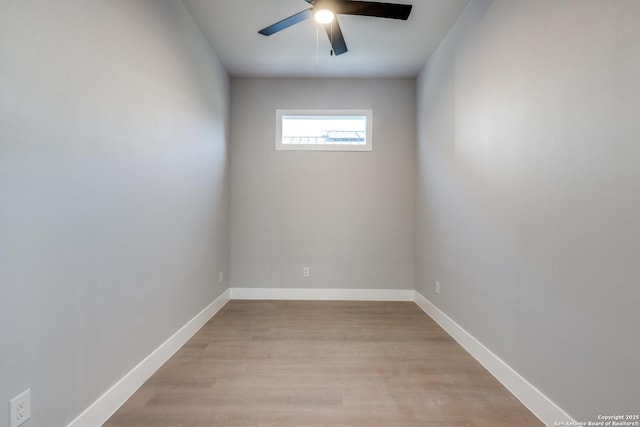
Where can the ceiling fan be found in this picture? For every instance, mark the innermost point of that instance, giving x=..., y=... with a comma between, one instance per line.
x=325, y=11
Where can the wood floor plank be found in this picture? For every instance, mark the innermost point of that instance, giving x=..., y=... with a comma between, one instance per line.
x=321, y=364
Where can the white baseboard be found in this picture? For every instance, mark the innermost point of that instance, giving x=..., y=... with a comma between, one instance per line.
x=539, y=404
x=107, y=404
x=323, y=294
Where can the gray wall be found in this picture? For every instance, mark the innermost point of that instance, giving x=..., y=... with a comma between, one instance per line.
x=349, y=216
x=113, y=186
x=529, y=192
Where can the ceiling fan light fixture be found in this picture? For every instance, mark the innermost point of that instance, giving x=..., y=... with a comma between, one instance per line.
x=324, y=16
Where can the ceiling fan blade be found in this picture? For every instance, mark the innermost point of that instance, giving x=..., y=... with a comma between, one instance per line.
x=369, y=8
x=336, y=38
x=286, y=23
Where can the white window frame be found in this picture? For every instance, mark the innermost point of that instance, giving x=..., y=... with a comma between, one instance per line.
x=368, y=146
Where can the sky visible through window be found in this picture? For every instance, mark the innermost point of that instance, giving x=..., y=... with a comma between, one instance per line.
x=334, y=130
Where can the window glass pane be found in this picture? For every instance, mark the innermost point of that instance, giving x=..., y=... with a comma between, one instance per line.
x=340, y=130
x=324, y=130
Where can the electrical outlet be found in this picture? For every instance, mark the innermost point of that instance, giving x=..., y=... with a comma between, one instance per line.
x=306, y=272
x=20, y=409
x=220, y=277
x=437, y=288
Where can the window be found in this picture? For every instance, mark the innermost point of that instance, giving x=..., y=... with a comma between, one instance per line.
x=332, y=130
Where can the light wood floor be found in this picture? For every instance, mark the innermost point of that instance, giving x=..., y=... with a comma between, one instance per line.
x=312, y=364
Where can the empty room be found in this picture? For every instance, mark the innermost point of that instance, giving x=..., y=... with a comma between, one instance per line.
x=319, y=213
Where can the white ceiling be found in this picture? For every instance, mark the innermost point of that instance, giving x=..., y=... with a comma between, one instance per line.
x=377, y=47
